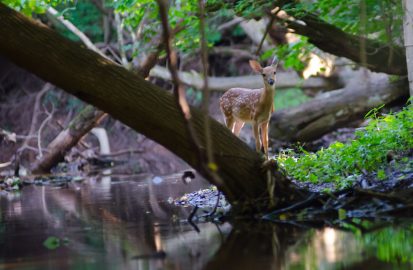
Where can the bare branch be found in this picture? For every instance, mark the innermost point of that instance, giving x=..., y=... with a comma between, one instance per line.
x=267, y=29
x=25, y=145
x=205, y=97
x=121, y=42
x=42, y=125
x=284, y=80
x=230, y=24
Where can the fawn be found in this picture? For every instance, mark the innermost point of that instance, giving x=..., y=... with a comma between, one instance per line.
x=241, y=105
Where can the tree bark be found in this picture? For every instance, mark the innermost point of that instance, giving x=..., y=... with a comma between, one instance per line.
x=335, y=109
x=140, y=105
x=408, y=40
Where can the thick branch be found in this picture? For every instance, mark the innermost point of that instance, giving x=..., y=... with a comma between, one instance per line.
x=284, y=80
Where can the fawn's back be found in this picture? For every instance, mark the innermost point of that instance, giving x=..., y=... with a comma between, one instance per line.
x=240, y=103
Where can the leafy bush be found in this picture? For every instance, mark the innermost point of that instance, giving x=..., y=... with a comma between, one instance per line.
x=340, y=162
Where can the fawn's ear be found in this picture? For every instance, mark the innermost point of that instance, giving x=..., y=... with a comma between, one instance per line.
x=275, y=62
x=255, y=66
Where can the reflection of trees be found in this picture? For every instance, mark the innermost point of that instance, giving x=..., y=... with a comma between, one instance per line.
x=255, y=247
x=391, y=244
x=111, y=222
x=122, y=225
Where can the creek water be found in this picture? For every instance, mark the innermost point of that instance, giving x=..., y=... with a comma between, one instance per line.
x=130, y=223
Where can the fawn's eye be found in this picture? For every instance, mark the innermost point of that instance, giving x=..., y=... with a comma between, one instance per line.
x=275, y=72
x=263, y=75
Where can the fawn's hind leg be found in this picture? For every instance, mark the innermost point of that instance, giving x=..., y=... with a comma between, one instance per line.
x=237, y=128
x=257, y=137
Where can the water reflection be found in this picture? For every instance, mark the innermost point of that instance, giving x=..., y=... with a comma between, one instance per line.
x=129, y=224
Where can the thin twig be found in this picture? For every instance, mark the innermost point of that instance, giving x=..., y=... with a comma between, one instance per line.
x=205, y=90
x=121, y=42
x=124, y=152
x=42, y=125
x=192, y=214
x=25, y=145
x=267, y=29
x=214, y=210
x=179, y=91
x=230, y=23
x=291, y=207
x=72, y=28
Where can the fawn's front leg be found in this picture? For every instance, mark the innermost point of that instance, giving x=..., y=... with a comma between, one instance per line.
x=264, y=137
x=257, y=137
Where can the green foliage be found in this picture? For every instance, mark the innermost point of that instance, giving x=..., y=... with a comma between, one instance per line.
x=383, y=21
x=384, y=16
x=293, y=55
x=340, y=163
x=28, y=7
x=289, y=98
x=86, y=17
x=145, y=12
x=391, y=244
x=52, y=242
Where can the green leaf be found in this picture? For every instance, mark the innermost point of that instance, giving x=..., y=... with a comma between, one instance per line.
x=52, y=243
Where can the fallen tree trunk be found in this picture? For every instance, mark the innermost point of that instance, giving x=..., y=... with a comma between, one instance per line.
x=284, y=80
x=87, y=119
x=335, y=109
x=142, y=106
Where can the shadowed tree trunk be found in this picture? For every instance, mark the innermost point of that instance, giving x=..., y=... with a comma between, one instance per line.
x=408, y=39
x=140, y=105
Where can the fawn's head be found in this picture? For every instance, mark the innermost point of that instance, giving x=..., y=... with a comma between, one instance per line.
x=268, y=73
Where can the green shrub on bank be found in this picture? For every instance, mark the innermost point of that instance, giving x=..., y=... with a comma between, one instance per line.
x=339, y=163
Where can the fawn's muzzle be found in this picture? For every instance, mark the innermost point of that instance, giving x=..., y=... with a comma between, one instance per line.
x=271, y=81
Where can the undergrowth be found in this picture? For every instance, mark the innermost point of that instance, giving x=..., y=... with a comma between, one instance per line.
x=368, y=152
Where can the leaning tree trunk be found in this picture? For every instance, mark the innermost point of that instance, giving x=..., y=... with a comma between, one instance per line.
x=335, y=109
x=408, y=40
x=140, y=105
x=87, y=118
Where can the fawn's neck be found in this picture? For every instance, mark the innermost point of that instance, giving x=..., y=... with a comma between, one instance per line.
x=267, y=95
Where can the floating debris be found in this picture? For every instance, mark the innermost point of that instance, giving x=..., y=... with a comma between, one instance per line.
x=205, y=199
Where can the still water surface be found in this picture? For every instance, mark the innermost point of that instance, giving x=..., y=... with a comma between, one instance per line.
x=129, y=223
